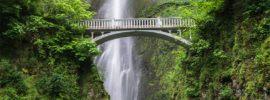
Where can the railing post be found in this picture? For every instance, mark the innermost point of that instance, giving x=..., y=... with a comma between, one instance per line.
x=94, y=24
x=169, y=22
x=133, y=23
x=119, y=23
x=180, y=32
x=103, y=24
x=188, y=22
x=113, y=23
x=102, y=33
x=153, y=22
x=99, y=24
x=139, y=25
x=180, y=22
x=106, y=24
x=173, y=21
x=92, y=35
x=189, y=34
x=145, y=23
x=150, y=22
x=129, y=22
x=90, y=25
x=86, y=23
x=82, y=35
x=141, y=22
x=126, y=23
x=159, y=23
x=177, y=22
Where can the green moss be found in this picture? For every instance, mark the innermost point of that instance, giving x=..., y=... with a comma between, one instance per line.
x=41, y=57
x=230, y=51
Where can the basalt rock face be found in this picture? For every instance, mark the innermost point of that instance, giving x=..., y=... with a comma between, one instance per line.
x=95, y=5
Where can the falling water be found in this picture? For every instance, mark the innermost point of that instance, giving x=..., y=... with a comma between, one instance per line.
x=118, y=62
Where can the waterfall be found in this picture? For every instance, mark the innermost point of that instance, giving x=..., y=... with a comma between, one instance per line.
x=118, y=62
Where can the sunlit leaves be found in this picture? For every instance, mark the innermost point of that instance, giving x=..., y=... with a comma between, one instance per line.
x=199, y=9
x=16, y=30
x=219, y=53
x=75, y=10
x=200, y=46
x=86, y=49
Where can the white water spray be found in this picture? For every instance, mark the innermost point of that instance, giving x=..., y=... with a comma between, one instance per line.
x=119, y=60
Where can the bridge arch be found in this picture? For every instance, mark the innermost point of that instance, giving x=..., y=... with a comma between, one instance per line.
x=152, y=33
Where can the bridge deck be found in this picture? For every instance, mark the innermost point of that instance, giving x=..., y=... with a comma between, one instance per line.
x=137, y=24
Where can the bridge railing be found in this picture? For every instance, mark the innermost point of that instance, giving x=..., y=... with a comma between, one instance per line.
x=137, y=23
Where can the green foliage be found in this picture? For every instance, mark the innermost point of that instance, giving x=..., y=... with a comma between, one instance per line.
x=157, y=83
x=69, y=10
x=230, y=51
x=41, y=40
x=16, y=30
x=13, y=14
x=156, y=9
x=216, y=33
x=86, y=49
x=9, y=94
x=11, y=81
x=200, y=46
x=58, y=85
x=227, y=94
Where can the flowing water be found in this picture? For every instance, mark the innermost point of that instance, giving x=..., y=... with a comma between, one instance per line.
x=119, y=62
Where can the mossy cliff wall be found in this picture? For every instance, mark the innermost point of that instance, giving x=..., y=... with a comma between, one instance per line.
x=42, y=55
x=228, y=60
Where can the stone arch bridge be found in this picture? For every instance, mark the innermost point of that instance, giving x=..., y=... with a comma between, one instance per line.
x=103, y=30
